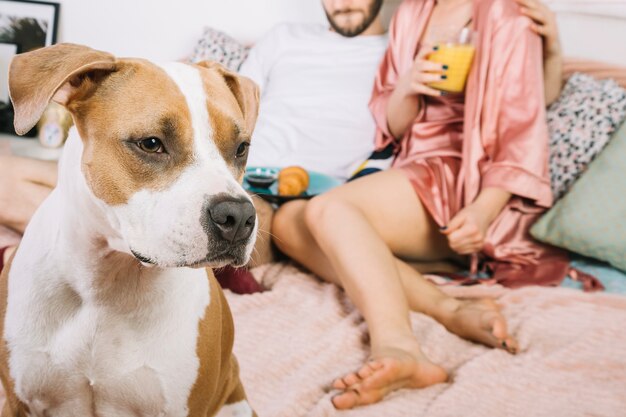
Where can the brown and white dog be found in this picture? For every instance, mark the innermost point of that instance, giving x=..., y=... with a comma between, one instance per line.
x=106, y=309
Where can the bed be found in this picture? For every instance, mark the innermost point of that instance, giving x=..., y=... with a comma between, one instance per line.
x=294, y=339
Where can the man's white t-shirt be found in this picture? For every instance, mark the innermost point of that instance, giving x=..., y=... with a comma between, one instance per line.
x=315, y=88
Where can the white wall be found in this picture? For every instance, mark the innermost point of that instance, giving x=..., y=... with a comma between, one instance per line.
x=600, y=38
x=168, y=29
x=594, y=29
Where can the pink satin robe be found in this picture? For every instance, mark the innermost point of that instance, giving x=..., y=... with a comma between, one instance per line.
x=494, y=136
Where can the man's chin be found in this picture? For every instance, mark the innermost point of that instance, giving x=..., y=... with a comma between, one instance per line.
x=350, y=21
x=349, y=27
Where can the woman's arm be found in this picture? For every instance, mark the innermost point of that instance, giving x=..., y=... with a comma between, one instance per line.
x=516, y=157
x=402, y=110
x=544, y=24
x=404, y=103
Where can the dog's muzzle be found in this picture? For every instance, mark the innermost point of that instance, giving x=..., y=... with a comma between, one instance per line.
x=231, y=220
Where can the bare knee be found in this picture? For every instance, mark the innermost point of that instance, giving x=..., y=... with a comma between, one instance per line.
x=324, y=212
x=287, y=226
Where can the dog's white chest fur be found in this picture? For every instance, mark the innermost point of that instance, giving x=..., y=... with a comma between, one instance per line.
x=78, y=358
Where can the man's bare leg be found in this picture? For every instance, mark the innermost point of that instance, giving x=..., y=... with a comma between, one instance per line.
x=263, y=248
x=24, y=184
x=396, y=367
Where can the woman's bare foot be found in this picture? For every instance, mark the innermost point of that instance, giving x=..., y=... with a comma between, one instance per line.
x=391, y=369
x=479, y=321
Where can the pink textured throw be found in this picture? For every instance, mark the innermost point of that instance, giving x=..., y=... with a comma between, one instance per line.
x=293, y=340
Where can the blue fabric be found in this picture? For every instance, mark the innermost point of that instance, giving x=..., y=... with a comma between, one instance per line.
x=613, y=279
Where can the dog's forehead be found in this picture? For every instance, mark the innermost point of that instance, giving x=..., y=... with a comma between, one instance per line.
x=209, y=99
x=214, y=112
x=171, y=84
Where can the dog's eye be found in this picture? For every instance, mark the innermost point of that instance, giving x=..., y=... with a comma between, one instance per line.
x=242, y=150
x=151, y=145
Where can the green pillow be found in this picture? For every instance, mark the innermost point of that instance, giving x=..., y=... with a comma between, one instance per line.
x=591, y=218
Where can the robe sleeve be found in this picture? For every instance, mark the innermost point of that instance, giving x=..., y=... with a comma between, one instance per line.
x=387, y=78
x=517, y=142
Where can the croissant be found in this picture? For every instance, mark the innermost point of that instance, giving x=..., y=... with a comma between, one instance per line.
x=293, y=181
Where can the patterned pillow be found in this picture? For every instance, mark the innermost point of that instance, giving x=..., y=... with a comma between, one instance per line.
x=581, y=123
x=219, y=47
x=591, y=218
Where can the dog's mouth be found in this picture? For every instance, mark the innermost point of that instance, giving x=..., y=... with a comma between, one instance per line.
x=235, y=258
x=209, y=262
x=143, y=259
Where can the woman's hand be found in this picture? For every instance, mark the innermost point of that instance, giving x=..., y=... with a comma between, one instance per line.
x=405, y=104
x=467, y=230
x=544, y=24
x=422, y=72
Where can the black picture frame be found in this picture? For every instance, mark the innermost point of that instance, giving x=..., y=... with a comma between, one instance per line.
x=29, y=24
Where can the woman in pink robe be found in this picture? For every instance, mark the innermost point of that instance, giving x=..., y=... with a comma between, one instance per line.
x=469, y=178
x=493, y=136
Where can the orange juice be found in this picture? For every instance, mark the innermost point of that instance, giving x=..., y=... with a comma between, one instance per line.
x=458, y=58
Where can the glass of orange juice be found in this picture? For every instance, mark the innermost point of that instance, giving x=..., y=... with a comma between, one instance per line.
x=457, y=54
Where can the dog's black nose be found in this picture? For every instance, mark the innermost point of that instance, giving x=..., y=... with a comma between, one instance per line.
x=234, y=219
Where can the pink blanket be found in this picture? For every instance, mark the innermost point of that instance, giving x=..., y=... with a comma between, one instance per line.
x=292, y=341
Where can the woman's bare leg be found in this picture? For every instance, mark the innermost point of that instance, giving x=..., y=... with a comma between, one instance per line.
x=350, y=222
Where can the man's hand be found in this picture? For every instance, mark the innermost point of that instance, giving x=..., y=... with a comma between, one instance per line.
x=24, y=184
x=544, y=24
x=467, y=230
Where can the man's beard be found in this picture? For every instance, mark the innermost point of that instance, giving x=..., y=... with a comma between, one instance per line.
x=371, y=15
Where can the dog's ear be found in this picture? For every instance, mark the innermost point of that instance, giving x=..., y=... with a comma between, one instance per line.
x=245, y=90
x=61, y=73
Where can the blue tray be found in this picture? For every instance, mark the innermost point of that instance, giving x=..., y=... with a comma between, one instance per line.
x=318, y=184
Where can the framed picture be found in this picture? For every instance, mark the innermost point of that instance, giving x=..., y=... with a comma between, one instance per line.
x=24, y=26
x=7, y=52
x=29, y=24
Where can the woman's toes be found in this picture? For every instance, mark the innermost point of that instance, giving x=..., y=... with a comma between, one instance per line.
x=351, y=379
x=375, y=364
x=339, y=384
x=366, y=371
x=510, y=345
x=346, y=400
